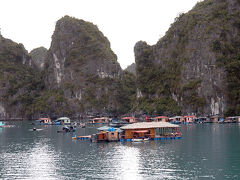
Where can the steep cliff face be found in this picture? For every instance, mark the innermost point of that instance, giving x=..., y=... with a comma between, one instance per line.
x=19, y=82
x=131, y=68
x=38, y=56
x=193, y=68
x=81, y=63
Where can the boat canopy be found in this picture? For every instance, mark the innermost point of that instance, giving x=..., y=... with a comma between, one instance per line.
x=63, y=118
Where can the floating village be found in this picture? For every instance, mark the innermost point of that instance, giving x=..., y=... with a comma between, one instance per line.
x=127, y=129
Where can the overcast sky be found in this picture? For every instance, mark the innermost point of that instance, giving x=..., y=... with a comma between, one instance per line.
x=123, y=22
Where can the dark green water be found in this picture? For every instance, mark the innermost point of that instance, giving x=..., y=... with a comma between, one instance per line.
x=207, y=151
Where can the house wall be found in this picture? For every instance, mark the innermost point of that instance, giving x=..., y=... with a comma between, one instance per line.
x=129, y=135
x=102, y=136
x=112, y=136
x=132, y=120
x=238, y=119
x=164, y=119
x=214, y=120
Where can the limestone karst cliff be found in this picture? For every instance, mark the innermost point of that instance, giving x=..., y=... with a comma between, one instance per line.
x=131, y=68
x=19, y=81
x=194, y=67
x=38, y=56
x=80, y=62
x=79, y=74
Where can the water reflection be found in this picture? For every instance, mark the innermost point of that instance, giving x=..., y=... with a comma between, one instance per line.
x=129, y=158
x=205, y=152
x=34, y=161
x=41, y=162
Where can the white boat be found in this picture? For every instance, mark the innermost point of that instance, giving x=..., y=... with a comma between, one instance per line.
x=1, y=124
x=140, y=139
x=62, y=121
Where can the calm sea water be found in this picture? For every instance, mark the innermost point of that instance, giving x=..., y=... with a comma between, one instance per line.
x=207, y=151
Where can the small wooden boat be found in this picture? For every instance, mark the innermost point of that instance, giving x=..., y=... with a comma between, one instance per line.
x=67, y=129
x=82, y=125
x=35, y=129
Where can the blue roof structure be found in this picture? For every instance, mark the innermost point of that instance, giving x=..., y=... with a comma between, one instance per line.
x=110, y=129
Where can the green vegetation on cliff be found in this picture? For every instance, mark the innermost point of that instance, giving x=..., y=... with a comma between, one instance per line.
x=109, y=95
x=38, y=56
x=188, y=65
x=227, y=51
x=81, y=62
x=155, y=83
x=23, y=90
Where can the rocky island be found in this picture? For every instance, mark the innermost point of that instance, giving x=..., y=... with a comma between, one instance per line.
x=193, y=69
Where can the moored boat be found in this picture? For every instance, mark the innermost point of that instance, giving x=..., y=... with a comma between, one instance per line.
x=62, y=121
x=45, y=121
x=67, y=129
x=2, y=124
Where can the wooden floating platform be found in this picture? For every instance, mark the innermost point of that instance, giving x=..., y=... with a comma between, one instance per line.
x=82, y=138
x=152, y=139
x=127, y=140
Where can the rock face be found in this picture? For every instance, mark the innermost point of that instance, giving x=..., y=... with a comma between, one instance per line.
x=18, y=80
x=79, y=74
x=131, y=68
x=81, y=63
x=193, y=68
x=14, y=52
x=38, y=56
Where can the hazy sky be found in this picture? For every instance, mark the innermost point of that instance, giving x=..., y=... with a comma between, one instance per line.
x=123, y=22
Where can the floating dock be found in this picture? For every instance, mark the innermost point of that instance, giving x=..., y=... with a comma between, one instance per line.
x=81, y=137
x=152, y=139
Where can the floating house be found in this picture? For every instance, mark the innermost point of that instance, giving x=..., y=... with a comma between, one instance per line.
x=216, y=119
x=189, y=119
x=237, y=118
x=201, y=120
x=106, y=134
x=101, y=120
x=135, y=132
x=45, y=120
x=63, y=121
x=129, y=119
x=233, y=119
x=150, y=130
x=176, y=119
x=160, y=119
